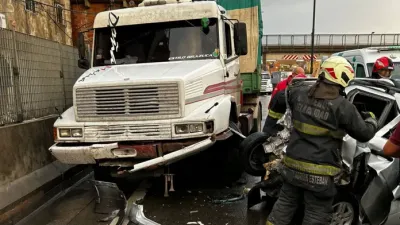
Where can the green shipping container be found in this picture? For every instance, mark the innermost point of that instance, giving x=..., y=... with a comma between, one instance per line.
x=249, y=12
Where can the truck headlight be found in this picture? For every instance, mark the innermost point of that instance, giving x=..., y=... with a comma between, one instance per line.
x=194, y=128
x=76, y=132
x=64, y=132
x=70, y=132
x=189, y=128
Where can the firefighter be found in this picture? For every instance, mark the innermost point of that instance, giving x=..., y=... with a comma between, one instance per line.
x=277, y=107
x=320, y=116
x=298, y=72
x=270, y=126
x=382, y=68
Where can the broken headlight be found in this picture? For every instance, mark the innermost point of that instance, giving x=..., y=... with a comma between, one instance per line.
x=189, y=128
x=70, y=132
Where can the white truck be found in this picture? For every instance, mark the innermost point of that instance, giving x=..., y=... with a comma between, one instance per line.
x=164, y=83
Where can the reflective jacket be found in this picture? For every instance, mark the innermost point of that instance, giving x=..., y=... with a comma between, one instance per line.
x=319, y=124
x=283, y=85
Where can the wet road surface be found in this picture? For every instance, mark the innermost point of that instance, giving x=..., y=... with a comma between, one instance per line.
x=197, y=188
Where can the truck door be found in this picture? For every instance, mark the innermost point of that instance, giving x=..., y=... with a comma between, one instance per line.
x=232, y=73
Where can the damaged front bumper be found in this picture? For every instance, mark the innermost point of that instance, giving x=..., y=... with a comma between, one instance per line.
x=149, y=154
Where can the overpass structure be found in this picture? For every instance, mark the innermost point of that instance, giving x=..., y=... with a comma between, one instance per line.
x=298, y=46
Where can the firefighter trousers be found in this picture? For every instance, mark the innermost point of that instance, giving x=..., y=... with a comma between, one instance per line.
x=317, y=206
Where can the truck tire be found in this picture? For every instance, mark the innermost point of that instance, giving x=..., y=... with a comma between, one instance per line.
x=252, y=154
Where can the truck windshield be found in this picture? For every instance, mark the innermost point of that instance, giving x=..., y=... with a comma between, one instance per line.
x=159, y=42
x=395, y=73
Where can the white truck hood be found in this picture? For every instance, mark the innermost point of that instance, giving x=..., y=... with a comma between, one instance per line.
x=147, y=72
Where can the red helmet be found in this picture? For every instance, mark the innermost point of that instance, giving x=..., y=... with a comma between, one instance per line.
x=383, y=63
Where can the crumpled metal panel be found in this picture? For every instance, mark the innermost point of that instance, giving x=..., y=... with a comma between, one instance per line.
x=137, y=216
x=109, y=198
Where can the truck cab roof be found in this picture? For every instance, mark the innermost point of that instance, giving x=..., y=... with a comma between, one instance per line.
x=177, y=11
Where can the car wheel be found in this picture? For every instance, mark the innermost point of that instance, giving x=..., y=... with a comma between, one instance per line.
x=252, y=154
x=345, y=211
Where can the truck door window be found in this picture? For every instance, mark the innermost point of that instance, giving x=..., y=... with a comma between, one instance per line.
x=360, y=71
x=158, y=42
x=228, y=40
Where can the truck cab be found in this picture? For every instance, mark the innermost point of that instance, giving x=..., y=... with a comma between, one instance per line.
x=363, y=59
x=163, y=83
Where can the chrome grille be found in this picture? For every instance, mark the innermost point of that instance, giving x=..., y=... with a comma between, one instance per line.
x=131, y=102
x=127, y=132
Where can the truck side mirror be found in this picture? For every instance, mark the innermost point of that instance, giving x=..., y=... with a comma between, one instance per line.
x=83, y=62
x=240, y=38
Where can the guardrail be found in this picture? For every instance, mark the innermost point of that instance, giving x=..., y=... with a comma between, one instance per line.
x=353, y=40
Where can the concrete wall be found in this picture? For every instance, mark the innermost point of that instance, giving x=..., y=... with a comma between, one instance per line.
x=26, y=165
x=24, y=148
x=40, y=23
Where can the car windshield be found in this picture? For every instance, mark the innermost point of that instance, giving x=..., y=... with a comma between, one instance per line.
x=395, y=73
x=159, y=42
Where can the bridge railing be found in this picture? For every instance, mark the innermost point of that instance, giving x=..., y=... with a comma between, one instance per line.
x=331, y=40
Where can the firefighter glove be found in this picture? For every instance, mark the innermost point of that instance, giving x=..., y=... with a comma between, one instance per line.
x=370, y=118
x=367, y=115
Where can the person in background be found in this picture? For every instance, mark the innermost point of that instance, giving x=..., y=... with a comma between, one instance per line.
x=392, y=146
x=277, y=103
x=382, y=68
x=297, y=72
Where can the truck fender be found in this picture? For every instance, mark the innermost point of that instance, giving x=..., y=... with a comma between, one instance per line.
x=221, y=114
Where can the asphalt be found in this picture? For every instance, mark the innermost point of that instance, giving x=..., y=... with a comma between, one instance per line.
x=201, y=196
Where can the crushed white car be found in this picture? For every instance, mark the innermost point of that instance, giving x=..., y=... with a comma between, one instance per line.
x=369, y=190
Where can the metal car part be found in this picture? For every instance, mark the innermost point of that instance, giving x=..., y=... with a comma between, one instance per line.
x=137, y=216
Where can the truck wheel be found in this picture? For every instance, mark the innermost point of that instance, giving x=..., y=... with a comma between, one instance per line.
x=232, y=168
x=102, y=173
x=252, y=154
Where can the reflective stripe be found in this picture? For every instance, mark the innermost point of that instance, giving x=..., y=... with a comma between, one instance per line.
x=311, y=168
x=274, y=115
x=316, y=130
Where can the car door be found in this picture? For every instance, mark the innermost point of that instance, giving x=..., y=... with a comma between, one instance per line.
x=372, y=99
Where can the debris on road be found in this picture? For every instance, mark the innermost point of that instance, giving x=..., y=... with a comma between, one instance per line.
x=195, y=211
x=198, y=222
x=229, y=199
x=110, y=217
